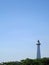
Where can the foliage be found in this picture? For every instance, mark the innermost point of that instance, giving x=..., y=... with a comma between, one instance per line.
x=44, y=61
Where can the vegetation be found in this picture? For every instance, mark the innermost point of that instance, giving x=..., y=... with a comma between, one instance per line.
x=44, y=61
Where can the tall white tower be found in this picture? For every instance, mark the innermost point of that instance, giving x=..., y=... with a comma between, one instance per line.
x=38, y=50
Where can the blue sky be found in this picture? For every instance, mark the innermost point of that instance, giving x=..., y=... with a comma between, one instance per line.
x=22, y=23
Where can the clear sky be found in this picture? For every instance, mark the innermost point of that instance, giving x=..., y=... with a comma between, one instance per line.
x=22, y=23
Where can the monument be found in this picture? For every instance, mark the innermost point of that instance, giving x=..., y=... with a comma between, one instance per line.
x=38, y=50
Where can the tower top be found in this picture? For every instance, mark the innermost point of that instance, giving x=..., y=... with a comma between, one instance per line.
x=38, y=42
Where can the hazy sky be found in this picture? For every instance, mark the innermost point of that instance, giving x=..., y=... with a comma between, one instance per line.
x=22, y=23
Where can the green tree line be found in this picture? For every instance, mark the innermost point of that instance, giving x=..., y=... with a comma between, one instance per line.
x=44, y=61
